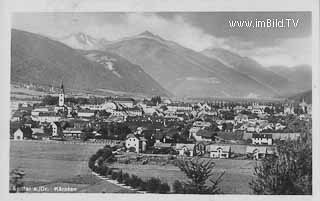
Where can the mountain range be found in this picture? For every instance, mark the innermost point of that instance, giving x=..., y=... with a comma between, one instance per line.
x=38, y=59
x=147, y=63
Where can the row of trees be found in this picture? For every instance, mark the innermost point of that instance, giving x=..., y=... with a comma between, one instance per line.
x=98, y=163
x=201, y=179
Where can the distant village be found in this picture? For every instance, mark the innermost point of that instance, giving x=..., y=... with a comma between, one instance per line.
x=217, y=129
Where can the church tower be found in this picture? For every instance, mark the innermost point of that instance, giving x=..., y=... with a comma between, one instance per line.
x=61, y=95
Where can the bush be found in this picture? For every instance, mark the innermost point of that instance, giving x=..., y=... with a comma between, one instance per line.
x=104, y=170
x=108, y=171
x=135, y=181
x=120, y=177
x=143, y=185
x=164, y=188
x=153, y=185
x=178, y=187
x=126, y=179
x=114, y=175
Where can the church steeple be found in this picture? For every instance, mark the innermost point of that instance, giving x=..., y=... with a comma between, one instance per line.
x=61, y=95
x=61, y=87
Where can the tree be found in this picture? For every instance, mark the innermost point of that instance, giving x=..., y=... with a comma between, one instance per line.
x=200, y=172
x=16, y=180
x=156, y=100
x=288, y=173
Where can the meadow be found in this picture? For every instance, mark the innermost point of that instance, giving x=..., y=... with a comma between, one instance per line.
x=66, y=165
x=238, y=173
x=58, y=165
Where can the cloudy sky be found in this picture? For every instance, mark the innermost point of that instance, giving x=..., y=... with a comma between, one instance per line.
x=196, y=30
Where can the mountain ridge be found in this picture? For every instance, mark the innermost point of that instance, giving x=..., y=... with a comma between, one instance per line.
x=42, y=60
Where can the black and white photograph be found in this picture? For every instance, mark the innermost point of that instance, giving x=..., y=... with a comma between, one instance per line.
x=161, y=102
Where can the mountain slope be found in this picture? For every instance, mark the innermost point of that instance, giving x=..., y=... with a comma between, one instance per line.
x=300, y=77
x=306, y=96
x=38, y=59
x=184, y=72
x=253, y=69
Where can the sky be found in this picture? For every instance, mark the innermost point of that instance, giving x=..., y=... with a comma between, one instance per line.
x=288, y=46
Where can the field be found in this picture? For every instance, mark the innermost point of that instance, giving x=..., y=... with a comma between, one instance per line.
x=66, y=165
x=238, y=173
x=58, y=165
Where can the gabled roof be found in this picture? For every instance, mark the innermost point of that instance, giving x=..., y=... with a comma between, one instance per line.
x=131, y=136
x=57, y=124
x=181, y=146
x=26, y=129
x=215, y=147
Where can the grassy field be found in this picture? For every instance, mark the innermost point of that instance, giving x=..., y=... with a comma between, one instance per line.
x=66, y=165
x=238, y=173
x=58, y=165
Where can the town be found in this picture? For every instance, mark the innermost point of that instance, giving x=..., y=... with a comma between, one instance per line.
x=247, y=129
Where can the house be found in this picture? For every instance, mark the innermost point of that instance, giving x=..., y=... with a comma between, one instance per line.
x=17, y=116
x=72, y=133
x=200, y=148
x=135, y=143
x=288, y=109
x=173, y=107
x=241, y=118
x=162, y=148
x=279, y=126
x=257, y=111
x=204, y=135
x=256, y=152
x=126, y=102
x=86, y=113
x=201, y=124
x=185, y=149
x=46, y=117
x=219, y=151
x=22, y=133
x=135, y=111
x=262, y=139
x=285, y=136
x=39, y=134
x=56, y=129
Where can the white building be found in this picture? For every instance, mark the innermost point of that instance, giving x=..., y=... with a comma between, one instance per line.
x=185, y=149
x=135, y=143
x=219, y=151
x=262, y=139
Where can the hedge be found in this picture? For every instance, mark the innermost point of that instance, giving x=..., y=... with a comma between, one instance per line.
x=178, y=187
x=114, y=175
x=152, y=185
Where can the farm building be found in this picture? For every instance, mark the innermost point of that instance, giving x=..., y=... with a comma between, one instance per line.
x=257, y=152
x=219, y=151
x=135, y=143
x=185, y=149
x=23, y=133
